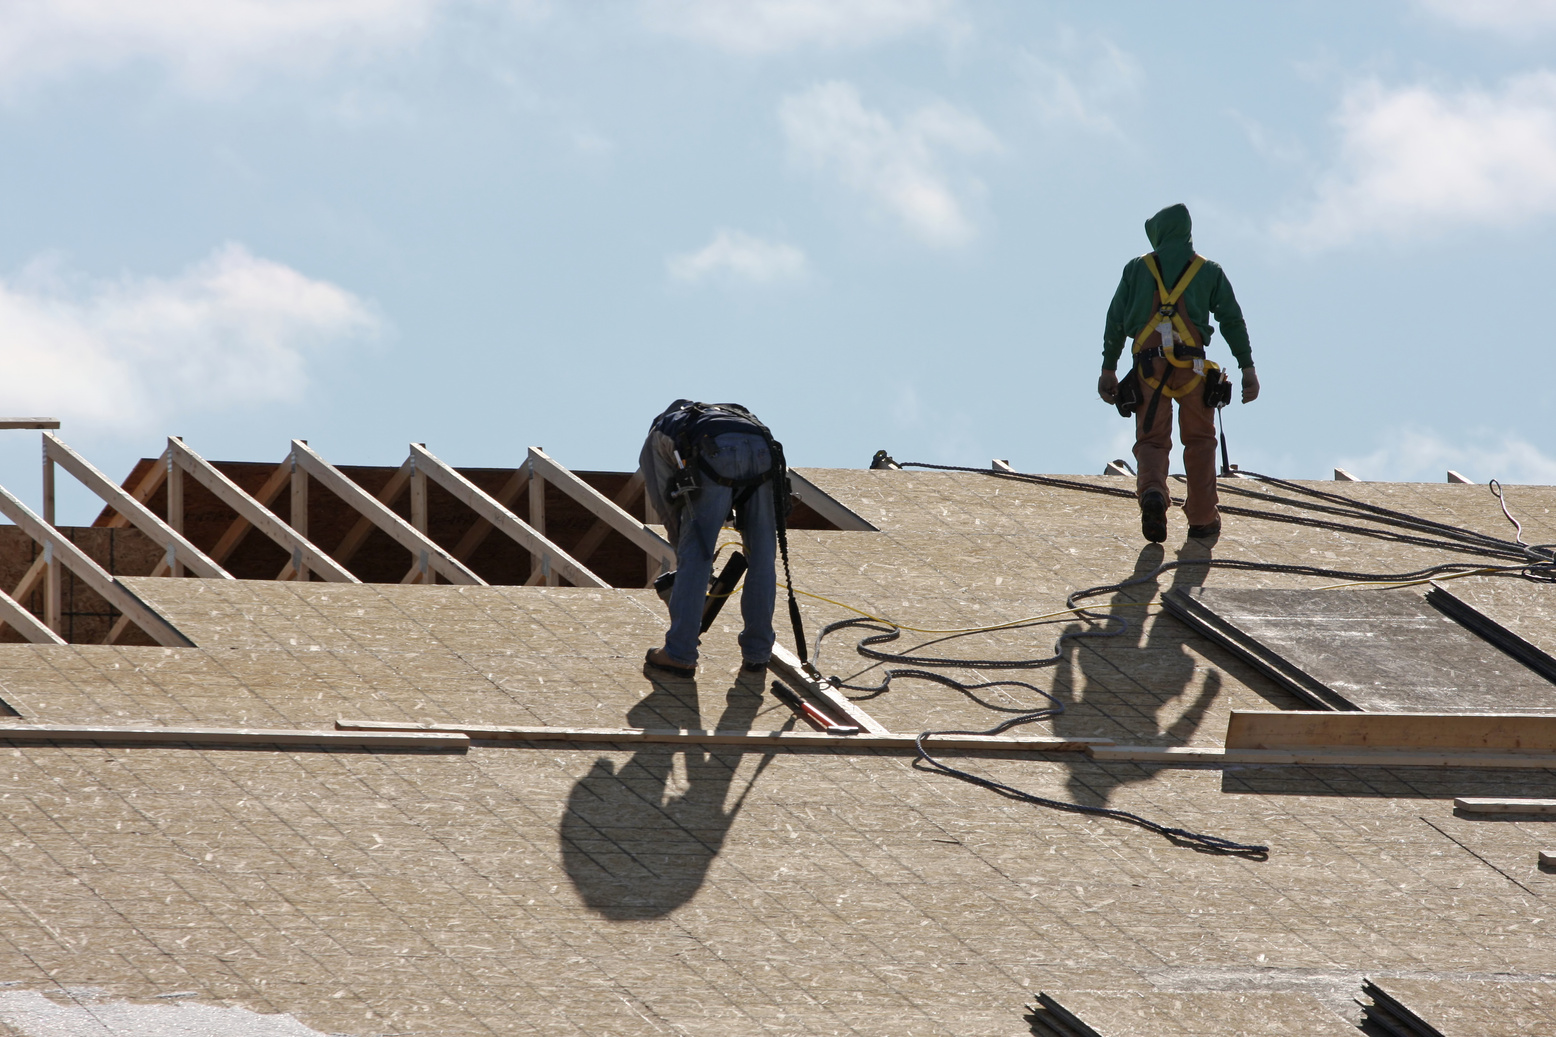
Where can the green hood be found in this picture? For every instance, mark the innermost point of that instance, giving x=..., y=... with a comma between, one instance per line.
x=1171, y=233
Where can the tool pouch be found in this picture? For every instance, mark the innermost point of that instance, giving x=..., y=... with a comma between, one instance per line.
x=1218, y=389
x=1129, y=396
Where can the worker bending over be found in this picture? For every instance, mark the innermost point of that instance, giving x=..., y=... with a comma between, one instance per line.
x=701, y=462
x=1162, y=305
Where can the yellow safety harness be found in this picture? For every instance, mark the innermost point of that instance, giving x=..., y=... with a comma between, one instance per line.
x=1169, y=324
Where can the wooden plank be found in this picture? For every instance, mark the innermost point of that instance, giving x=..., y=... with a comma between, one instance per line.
x=182, y=552
x=234, y=534
x=827, y=506
x=6, y=423
x=142, y=491
x=209, y=736
x=1194, y=757
x=591, y=541
x=175, y=516
x=752, y=739
x=787, y=666
x=1291, y=729
x=1474, y=805
x=260, y=517
x=547, y=555
x=25, y=623
x=476, y=535
x=544, y=467
x=298, y=570
x=90, y=573
x=370, y=507
x=357, y=535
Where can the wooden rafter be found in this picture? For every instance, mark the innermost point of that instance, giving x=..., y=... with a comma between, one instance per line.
x=260, y=517
x=545, y=468
x=545, y=555
x=179, y=549
x=354, y=496
x=93, y=575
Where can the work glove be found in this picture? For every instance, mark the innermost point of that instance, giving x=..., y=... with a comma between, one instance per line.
x=1107, y=386
x=1250, y=385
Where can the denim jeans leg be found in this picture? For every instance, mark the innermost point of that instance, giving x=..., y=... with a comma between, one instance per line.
x=756, y=599
x=700, y=525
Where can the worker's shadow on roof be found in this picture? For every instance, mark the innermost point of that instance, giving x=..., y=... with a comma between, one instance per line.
x=637, y=841
x=1142, y=680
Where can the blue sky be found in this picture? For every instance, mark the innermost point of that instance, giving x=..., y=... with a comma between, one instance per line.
x=879, y=223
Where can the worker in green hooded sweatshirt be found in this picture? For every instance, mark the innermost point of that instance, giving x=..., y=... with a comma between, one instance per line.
x=1163, y=307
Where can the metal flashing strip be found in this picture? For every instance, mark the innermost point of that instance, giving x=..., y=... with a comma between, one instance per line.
x=754, y=740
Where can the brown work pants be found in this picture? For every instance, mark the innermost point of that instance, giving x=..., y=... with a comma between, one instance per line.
x=1196, y=427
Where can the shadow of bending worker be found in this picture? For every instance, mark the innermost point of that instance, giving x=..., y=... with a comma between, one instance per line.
x=634, y=846
x=1131, y=682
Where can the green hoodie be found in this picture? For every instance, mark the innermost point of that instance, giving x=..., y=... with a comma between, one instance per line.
x=1171, y=235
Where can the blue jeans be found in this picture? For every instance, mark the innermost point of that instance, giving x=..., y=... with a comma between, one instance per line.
x=739, y=456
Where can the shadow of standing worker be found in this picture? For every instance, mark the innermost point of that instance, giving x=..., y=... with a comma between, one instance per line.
x=633, y=846
x=1121, y=687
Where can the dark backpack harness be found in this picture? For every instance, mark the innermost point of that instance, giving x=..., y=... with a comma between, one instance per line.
x=693, y=428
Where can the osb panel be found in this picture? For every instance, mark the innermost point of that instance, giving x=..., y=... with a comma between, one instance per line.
x=605, y=891
x=1470, y=1008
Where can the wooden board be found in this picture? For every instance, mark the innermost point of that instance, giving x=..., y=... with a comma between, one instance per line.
x=749, y=739
x=1325, y=730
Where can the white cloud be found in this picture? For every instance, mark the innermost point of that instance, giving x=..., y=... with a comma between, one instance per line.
x=230, y=331
x=1413, y=160
x=1082, y=82
x=733, y=255
x=203, y=41
x=1420, y=455
x=1497, y=15
x=901, y=165
x=766, y=26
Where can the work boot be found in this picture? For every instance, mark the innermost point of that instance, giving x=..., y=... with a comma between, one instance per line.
x=1209, y=531
x=659, y=659
x=1153, y=516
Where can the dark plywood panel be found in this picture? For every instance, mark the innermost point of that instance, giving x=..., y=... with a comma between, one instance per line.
x=1374, y=650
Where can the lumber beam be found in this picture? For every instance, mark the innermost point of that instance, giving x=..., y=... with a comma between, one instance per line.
x=261, y=518
x=591, y=541
x=826, y=505
x=755, y=740
x=1476, y=805
x=1190, y=756
x=545, y=554
x=233, y=535
x=546, y=469
x=199, y=737
x=802, y=679
x=179, y=550
x=16, y=616
x=476, y=535
x=142, y=491
x=1322, y=729
x=370, y=507
x=65, y=553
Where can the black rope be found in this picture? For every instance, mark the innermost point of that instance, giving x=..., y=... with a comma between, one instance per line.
x=1535, y=562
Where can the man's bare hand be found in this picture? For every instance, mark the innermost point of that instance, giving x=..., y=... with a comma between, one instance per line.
x=1250, y=385
x=1107, y=386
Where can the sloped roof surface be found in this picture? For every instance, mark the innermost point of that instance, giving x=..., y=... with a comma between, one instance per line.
x=616, y=890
